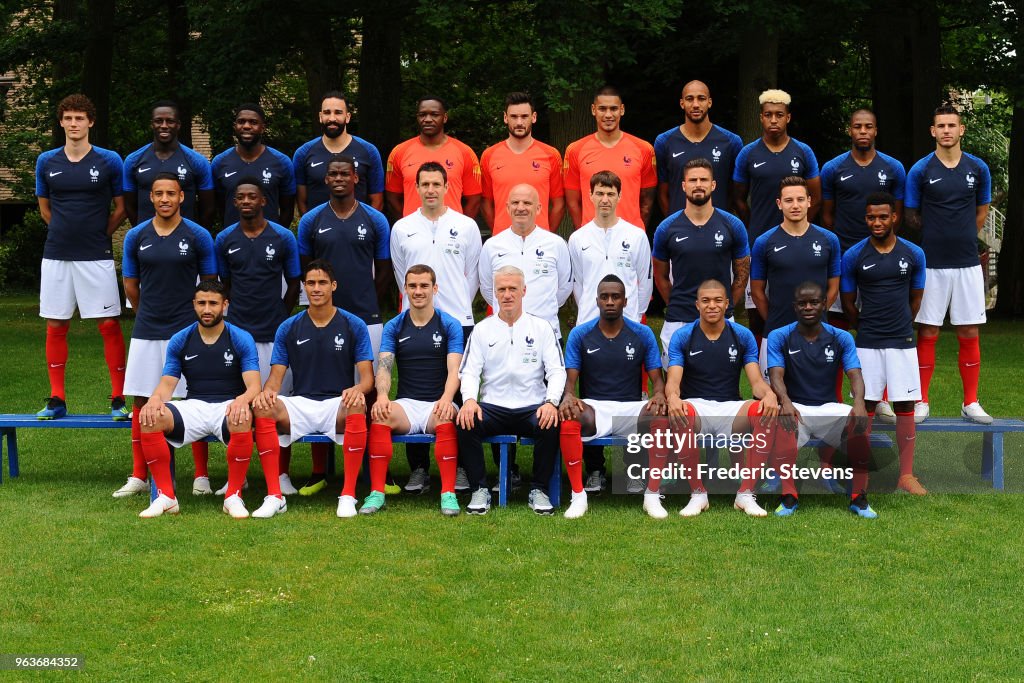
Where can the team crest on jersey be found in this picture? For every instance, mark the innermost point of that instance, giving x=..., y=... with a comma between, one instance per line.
x=830, y=354
x=882, y=178
x=716, y=154
x=794, y=164
x=361, y=231
x=339, y=342
x=902, y=263
x=267, y=176
x=816, y=247
x=529, y=341
x=94, y=175
x=630, y=351
x=535, y=165
x=182, y=172
x=733, y=353
x=970, y=180
x=270, y=252
x=183, y=247
x=719, y=238
x=449, y=163
x=437, y=340
x=453, y=232
x=627, y=161
x=229, y=358
x=625, y=245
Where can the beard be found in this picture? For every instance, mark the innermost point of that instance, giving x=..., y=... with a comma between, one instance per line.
x=699, y=201
x=332, y=133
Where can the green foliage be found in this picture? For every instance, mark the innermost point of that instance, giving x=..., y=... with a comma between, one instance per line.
x=21, y=252
x=988, y=119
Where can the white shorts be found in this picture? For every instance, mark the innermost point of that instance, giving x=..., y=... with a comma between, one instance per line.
x=310, y=416
x=145, y=367
x=826, y=422
x=749, y=300
x=762, y=357
x=201, y=419
x=264, y=350
x=716, y=417
x=418, y=413
x=667, y=330
x=91, y=286
x=895, y=368
x=376, y=335
x=614, y=418
x=961, y=291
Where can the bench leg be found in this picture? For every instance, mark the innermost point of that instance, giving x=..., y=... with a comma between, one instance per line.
x=555, y=485
x=330, y=461
x=12, y=454
x=502, y=474
x=997, y=461
x=986, y=456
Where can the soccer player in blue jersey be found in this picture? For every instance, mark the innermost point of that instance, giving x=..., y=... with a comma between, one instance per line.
x=700, y=242
x=426, y=345
x=887, y=273
x=75, y=186
x=948, y=195
x=696, y=138
x=219, y=362
x=705, y=359
x=355, y=239
x=325, y=347
x=253, y=256
x=760, y=167
x=310, y=160
x=802, y=361
x=512, y=377
x=161, y=260
x=788, y=254
x=606, y=354
x=251, y=157
x=167, y=155
x=846, y=181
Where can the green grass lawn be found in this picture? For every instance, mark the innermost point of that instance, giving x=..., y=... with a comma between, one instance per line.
x=927, y=591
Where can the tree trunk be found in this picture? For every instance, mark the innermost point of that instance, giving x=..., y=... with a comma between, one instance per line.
x=926, y=80
x=759, y=71
x=177, y=44
x=322, y=67
x=97, y=64
x=63, y=67
x=380, y=76
x=889, y=36
x=1011, y=255
x=569, y=125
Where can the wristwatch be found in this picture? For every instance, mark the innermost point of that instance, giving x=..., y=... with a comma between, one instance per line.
x=552, y=402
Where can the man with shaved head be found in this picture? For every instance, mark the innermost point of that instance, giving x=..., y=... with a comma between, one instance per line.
x=696, y=138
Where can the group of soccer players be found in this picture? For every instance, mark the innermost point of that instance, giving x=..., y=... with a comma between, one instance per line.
x=214, y=316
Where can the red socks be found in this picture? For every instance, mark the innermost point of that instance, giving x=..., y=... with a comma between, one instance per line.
x=858, y=453
x=138, y=458
x=380, y=455
x=784, y=453
x=926, y=363
x=969, y=360
x=757, y=455
x=319, y=452
x=201, y=458
x=113, y=353
x=267, y=445
x=355, y=444
x=446, y=452
x=286, y=459
x=57, y=358
x=570, y=441
x=906, y=435
x=239, y=455
x=158, y=457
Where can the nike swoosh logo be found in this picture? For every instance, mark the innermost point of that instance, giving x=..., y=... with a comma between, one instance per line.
x=675, y=154
x=492, y=344
x=228, y=175
x=267, y=451
x=585, y=248
x=932, y=181
x=446, y=458
x=411, y=234
x=777, y=249
x=696, y=353
x=792, y=353
x=354, y=450
x=593, y=350
x=232, y=251
x=402, y=339
x=574, y=463
x=241, y=459
x=323, y=230
x=844, y=178
x=191, y=357
x=108, y=306
x=867, y=267
x=143, y=170
x=760, y=164
x=301, y=342
x=315, y=164
x=53, y=173
x=971, y=365
x=372, y=457
x=501, y=255
x=145, y=247
x=56, y=365
x=680, y=239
